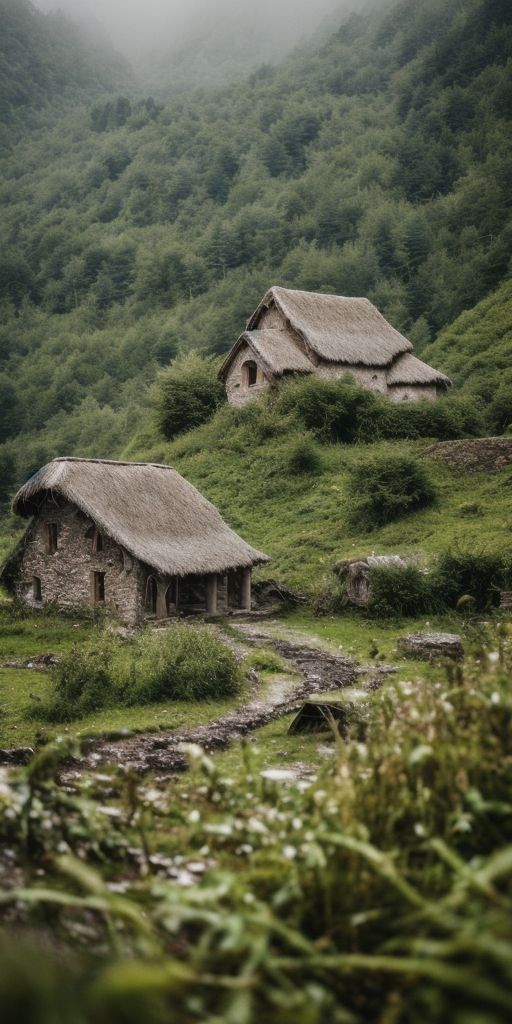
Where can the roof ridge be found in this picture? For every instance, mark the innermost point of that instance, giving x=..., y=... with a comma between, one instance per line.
x=111, y=462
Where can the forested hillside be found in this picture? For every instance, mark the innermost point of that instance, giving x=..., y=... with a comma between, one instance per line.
x=46, y=62
x=378, y=164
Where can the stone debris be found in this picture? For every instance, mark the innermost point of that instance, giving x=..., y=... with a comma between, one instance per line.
x=16, y=755
x=355, y=574
x=432, y=646
x=474, y=455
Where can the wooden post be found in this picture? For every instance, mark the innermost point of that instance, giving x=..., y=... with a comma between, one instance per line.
x=211, y=594
x=161, y=607
x=246, y=589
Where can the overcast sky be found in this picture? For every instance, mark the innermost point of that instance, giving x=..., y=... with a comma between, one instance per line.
x=138, y=25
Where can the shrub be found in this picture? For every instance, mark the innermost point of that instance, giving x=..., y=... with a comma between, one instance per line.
x=186, y=662
x=398, y=590
x=328, y=597
x=466, y=574
x=187, y=394
x=386, y=487
x=331, y=409
x=302, y=457
x=342, y=410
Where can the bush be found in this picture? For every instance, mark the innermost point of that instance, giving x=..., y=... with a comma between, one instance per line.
x=302, y=457
x=187, y=394
x=186, y=662
x=385, y=487
x=331, y=409
x=343, y=411
x=466, y=574
x=400, y=591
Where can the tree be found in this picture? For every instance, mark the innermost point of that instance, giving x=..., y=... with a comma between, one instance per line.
x=187, y=394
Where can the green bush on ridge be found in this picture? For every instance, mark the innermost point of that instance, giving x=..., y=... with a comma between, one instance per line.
x=457, y=579
x=385, y=487
x=187, y=394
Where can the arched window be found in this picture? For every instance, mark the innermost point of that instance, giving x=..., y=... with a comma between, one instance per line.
x=97, y=542
x=151, y=595
x=250, y=370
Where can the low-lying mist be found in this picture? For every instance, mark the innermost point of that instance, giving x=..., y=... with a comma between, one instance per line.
x=137, y=27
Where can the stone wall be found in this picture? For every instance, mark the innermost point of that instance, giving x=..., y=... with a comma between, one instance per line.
x=66, y=575
x=236, y=388
x=372, y=378
x=412, y=392
x=476, y=454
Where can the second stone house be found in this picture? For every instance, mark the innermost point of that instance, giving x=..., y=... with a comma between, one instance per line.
x=133, y=536
x=330, y=335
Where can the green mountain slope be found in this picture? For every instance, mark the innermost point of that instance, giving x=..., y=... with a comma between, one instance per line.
x=476, y=349
x=46, y=62
x=378, y=164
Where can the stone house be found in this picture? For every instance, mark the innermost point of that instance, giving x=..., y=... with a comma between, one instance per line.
x=133, y=536
x=330, y=335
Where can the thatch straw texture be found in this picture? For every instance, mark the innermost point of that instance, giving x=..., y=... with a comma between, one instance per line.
x=278, y=352
x=148, y=509
x=335, y=328
x=407, y=369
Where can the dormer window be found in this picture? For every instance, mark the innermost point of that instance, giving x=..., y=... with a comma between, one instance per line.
x=251, y=373
x=51, y=538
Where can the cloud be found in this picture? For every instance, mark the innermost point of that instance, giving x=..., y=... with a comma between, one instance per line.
x=135, y=26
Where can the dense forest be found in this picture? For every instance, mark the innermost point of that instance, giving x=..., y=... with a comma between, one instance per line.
x=377, y=163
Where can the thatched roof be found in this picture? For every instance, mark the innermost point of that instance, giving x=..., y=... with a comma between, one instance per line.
x=148, y=509
x=337, y=329
x=407, y=369
x=276, y=351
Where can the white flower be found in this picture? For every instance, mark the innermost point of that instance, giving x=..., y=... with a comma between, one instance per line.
x=194, y=817
x=495, y=698
x=289, y=852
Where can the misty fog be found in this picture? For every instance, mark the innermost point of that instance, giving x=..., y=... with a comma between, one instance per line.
x=138, y=26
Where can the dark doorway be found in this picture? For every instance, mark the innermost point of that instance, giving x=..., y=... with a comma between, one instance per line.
x=171, y=595
x=151, y=595
x=36, y=589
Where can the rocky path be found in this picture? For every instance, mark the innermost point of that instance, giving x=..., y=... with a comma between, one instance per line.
x=318, y=671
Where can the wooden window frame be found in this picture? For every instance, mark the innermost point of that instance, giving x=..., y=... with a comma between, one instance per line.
x=97, y=587
x=251, y=369
x=51, y=538
x=97, y=542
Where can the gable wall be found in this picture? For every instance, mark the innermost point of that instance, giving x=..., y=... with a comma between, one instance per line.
x=66, y=575
x=238, y=393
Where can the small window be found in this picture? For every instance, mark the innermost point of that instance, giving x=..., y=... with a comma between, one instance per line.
x=36, y=589
x=51, y=538
x=98, y=587
x=252, y=374
x=97, y=542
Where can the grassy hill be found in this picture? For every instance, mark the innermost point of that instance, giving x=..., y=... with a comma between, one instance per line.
x=242, y=462
x=476, y=350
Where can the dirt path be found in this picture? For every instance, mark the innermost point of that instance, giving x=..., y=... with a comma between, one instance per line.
x=319, y=671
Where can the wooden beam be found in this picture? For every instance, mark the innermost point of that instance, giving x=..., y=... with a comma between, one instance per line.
x=246, y=589
x=211, y=595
